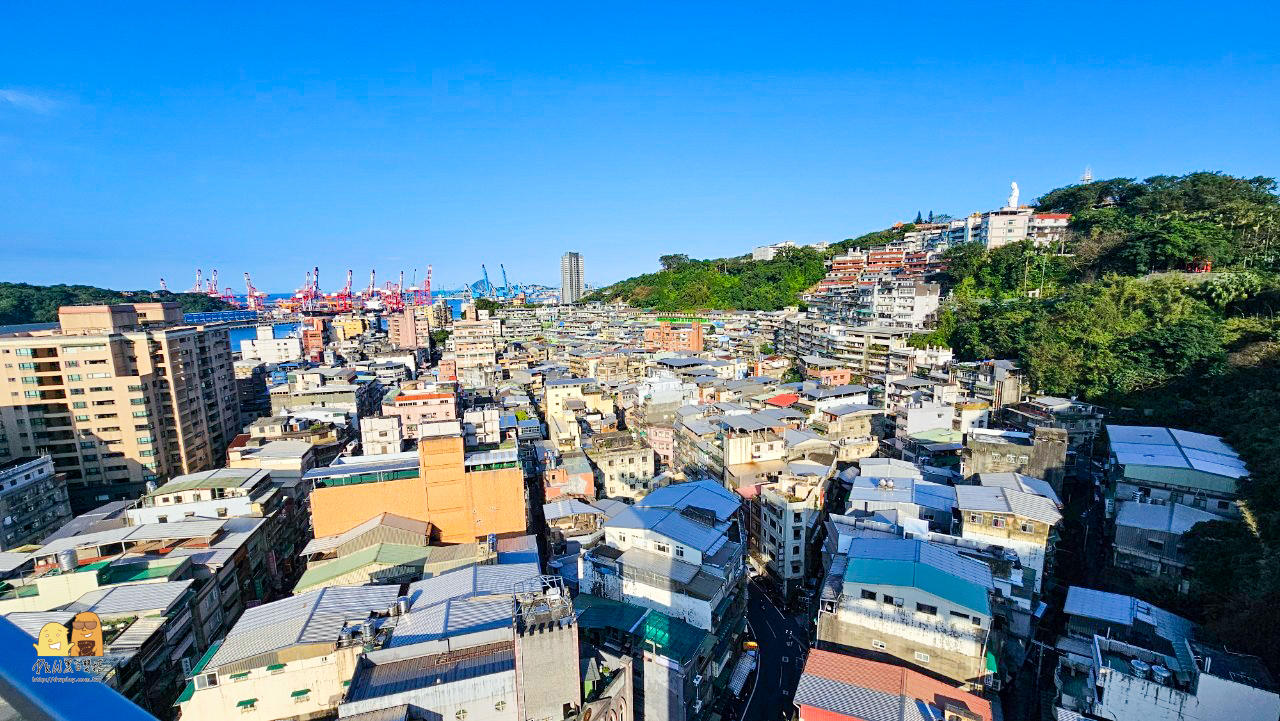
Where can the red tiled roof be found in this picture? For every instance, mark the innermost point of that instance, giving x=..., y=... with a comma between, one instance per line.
x=890, y=679
x=783, y=400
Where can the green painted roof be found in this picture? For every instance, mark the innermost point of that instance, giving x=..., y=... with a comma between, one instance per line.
x=131, y=572
x=661, y=633
x=383, y=554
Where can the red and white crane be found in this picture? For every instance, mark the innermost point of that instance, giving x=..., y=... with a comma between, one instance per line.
x=255, y=299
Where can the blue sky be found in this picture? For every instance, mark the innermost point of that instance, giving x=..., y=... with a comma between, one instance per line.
x=147, y=141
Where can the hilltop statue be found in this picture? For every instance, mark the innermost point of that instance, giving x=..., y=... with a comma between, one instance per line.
x=1013, y=195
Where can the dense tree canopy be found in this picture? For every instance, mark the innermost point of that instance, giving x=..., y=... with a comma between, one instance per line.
x=22, y=303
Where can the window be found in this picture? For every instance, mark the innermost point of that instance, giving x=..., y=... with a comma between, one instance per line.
x=795, y=534
x=997, y=522
x=1223, y=505
x=975, y=518
x=922, y=657
x=162, y=519
x=74, y=377
x=1028, y=527
x=680, y=551
x=77, y=391
x=878, y=645
x=887, y=598
x=661, y=547
x=926, y=608
x=868, y=595
x=1155, y=545
x=222, y=513
x=79, y=404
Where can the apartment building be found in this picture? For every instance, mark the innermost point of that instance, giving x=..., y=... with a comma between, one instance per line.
x=435, y=405
x=381, y=434
x=789, y=512
x=1082, y=421
x=33, y=500
x=1128, y=660
x=1040, y=454
x=679, y=551
x=251, y=389
x=624, y=465
x=1008, y=513
x=265, y=347
x=475, y=343
x=891, y=302
x=997, y=382
x=1151, y=464
x=572, y=277
x=330, y=389
x=465, y=495
x=923, y=604
x=118, y=395
x=674, y=337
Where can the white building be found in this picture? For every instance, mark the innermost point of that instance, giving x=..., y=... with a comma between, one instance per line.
x=270, y=349
x=572, y=274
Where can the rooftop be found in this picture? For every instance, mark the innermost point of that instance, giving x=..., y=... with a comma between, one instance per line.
x=218, y=478
x=1174, y=448
x=872, y=691
x=933, y=568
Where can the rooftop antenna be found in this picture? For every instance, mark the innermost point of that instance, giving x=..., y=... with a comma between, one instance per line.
x=1088, y=175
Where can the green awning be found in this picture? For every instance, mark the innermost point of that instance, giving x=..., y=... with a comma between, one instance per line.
x=247, y=703
x=242, y=674
x=186, y=694
x=347, y=682
x=991, y=662
x=275, y=667
x=300, y=692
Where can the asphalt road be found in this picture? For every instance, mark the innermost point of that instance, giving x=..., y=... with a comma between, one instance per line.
x=781, y=659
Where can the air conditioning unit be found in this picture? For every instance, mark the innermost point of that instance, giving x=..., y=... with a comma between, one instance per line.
x=697, y=680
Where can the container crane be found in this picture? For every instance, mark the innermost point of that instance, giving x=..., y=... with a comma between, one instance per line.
x=488, y=287
x=344, y=295
x=254, y=298
x=199, y=286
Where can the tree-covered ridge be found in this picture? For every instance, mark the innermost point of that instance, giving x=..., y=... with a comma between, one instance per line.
x=1194, y=351
x=23, y=303
x=735, y=283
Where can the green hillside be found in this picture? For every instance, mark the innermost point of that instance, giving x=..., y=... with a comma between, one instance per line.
x=734, y=283
x=23, y=303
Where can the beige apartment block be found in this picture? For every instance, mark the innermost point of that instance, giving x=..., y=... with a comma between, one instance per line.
x=118, y=395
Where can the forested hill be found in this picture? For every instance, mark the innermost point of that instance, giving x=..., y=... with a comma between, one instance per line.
x=734, y=283
x=21, y=303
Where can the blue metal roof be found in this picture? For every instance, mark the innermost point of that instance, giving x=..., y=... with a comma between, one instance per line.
x=932, y=568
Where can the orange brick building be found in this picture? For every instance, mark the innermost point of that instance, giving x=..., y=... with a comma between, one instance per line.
x=465, y=496
x=686, y=337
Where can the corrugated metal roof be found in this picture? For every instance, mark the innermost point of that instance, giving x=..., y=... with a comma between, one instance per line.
x=132, y=598
x=1170, y=518
x=324, y=544
x=384, y=679
x=932, y=568
x=874, y=691
x=570, y=507
x=10, y=561
x=1020, y=482
x=659, y=564
x=313, y=617
x=998, y=499
x=205, y=528
x=217, y=478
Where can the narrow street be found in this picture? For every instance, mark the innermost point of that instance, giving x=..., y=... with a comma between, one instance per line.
x=783, y=644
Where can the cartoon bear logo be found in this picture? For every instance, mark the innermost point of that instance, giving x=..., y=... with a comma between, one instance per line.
x=52, y=640
x=86, y=634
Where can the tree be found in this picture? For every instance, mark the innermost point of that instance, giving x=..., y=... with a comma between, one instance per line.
x=919, y=218
x=673, y=261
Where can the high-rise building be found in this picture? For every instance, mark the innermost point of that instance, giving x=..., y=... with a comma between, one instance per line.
x=571, y=277
x=118, y=395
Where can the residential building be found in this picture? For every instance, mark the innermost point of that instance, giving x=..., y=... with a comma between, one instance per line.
x=1082, y=421
x=267, y=348
x=572, y=275
x=835, y=687
x=118, y=395
x=465, y=495
x=623, y=463
x=998, y=382
x=435, y=405
x=674, y=337
x=1149, y=534
x=1167, y=464
x=380, y=435
x=1039, y=454
x=789, y=512
x=924, y=604
x=33, y=500
x=680, y=551
x=1011, y=517
x=1127, y=660
x=251, y=389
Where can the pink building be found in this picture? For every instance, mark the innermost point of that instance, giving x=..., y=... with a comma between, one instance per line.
x=677, y=337
x=662, y=439
x=416, y=407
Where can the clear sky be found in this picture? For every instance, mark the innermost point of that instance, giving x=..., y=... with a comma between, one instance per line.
x=144, y=141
